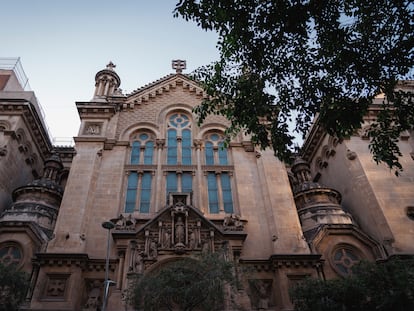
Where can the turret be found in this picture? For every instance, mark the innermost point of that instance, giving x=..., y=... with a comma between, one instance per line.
x=107, y=82
x=38, y=202
x=317, y=205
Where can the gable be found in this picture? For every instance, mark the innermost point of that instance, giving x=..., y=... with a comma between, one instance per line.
x=178, y=229
x=163, y=86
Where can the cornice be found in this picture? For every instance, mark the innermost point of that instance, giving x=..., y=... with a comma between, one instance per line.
x=32, y=120
x=80, y=260
x=96, y=110
x=278, y=261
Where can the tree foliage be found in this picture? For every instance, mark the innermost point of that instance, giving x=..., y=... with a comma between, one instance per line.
x=379, y=287
x=284, y=61
x=13, y=287
x=186, y=284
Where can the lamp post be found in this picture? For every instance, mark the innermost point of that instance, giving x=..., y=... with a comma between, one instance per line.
x=107, y=225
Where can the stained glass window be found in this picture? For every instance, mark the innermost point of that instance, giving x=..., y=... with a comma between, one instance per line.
x=135, y=152
x=131, y=194
x=213, y=203
x=226, y=191
x=145, y=200
x=172, y=147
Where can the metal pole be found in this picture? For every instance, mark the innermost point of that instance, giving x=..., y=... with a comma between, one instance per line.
x=107, y=225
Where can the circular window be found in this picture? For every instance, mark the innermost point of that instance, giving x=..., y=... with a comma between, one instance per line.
x=143, y=136
x=410, y=212
x=10, y=255
x=179, y=120
x=344, y=258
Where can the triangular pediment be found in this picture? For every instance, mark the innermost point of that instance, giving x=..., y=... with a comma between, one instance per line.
x=164, y=85
x=179, y=228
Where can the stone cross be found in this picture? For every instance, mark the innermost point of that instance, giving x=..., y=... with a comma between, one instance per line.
x=111, y=66
x=179, y=65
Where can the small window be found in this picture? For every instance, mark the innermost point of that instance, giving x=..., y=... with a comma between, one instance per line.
x=142, y=149
x=410, y=212
x=213, y=202
x=10, y=254
x=344, y=258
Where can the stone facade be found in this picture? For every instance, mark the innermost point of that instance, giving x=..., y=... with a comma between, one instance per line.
x=172, y=190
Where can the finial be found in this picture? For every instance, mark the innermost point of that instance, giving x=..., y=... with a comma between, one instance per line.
x=179, y=65
x=110, y=66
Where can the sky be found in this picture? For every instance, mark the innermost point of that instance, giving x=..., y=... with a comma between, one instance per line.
x=63, y=44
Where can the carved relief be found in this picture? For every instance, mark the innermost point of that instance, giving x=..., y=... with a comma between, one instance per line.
x=232, y=223
x=92, y=128
x=178, y=229
x=124, y=223
x=56, y=286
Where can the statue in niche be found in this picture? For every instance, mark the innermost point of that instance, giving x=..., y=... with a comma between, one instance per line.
x=205, y=248
x=166, y=242
x=192, y=240
x=179, y=231
x=138, y=266
x=153, y=249
x=137, y=258
x=94, y=297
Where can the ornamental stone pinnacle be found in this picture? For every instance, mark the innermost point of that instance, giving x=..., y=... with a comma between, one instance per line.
x=179, y=65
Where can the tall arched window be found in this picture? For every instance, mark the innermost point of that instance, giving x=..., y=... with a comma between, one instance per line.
x=179, y=139
x=220, y=197
x=142, y=149
x=139, y=184
x=179, y=152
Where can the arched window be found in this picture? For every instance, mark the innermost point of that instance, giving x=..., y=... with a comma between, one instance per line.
x=220, y=197
x=179, y=140
x=138, y=194
x=142, y=149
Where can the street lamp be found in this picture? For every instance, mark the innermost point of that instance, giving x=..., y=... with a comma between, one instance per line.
x=107, y=225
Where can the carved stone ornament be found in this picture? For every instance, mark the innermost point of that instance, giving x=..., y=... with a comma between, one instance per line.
x=124, y=223
x=92, y=128
x=232, y=223
x=93, y=301
x=55, y=287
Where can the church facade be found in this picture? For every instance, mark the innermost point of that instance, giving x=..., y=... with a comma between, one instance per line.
x=170, y=188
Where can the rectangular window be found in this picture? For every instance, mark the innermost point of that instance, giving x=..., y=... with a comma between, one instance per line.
x=135, y=152
x=187, y=182
x=186, y=147
x=172, y=147
x=148, y=153
x=226, y=191
x=131, y=194
x=144, y=205
x=213, y=203
x=222, y=153
x=171, y=182
x=209, y=153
